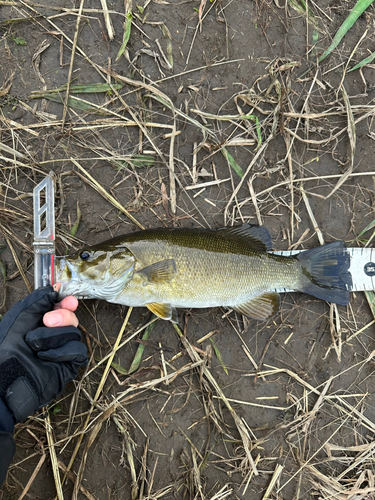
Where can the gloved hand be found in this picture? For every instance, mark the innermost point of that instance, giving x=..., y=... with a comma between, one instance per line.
x=36, y=362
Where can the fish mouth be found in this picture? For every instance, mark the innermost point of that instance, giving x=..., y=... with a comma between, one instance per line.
x=67, y=275
x=74, y=283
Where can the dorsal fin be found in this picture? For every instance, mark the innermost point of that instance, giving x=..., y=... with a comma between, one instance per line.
x=257, y=237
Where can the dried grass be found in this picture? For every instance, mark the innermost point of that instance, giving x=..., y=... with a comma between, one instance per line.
x=318, y=449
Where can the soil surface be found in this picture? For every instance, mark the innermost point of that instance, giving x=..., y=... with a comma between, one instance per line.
x=230, y=58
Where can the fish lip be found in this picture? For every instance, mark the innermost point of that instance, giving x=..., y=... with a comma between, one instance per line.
x=72, y=269
x=62, y=263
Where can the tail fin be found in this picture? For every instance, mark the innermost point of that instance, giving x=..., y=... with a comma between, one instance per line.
x=327, y=271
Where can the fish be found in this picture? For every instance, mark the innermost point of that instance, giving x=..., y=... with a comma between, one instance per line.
x=164, y=269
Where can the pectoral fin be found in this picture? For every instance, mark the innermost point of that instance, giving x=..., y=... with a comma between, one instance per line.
x=164, y=311
x=160, y=272
x=262, y=307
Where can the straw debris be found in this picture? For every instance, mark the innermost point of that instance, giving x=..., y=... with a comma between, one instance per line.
x=219, y=406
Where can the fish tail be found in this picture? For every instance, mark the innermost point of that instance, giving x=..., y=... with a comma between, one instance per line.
x=326, y=272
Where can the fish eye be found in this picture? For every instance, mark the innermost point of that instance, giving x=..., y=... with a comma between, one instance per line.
x=85, y=255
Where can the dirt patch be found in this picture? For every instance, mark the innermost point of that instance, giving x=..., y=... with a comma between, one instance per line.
x=229, y=94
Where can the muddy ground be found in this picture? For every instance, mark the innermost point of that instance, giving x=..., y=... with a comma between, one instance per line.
x=236, y=57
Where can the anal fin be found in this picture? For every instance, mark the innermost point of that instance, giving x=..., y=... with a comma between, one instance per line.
x=261, y=307
x=164, y=311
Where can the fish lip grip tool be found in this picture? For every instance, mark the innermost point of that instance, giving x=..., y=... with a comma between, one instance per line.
x=44, y=233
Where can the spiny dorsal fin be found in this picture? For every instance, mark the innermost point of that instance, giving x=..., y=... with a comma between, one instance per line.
x=164, y=311
x=262, y=307
x=257, y=237
x=160, y=272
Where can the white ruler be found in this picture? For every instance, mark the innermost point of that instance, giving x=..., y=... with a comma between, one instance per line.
x=362, y=268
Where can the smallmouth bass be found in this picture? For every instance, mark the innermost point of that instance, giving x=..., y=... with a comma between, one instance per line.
x=168, y=268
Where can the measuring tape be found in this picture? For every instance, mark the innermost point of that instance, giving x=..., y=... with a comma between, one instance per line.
x=362, y=268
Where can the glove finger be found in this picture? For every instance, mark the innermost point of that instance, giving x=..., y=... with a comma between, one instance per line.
x=72, y=351
x=28, y=313
x=63, y=374
x=44, y=339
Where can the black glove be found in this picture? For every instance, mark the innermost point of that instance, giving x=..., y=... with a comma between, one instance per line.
x=36, y=362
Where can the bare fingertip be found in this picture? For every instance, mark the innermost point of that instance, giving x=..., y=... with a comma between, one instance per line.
x=74, y=302
x=56, y=287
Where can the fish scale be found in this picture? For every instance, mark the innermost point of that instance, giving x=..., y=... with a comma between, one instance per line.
x=164, y=269
x=202, y=278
